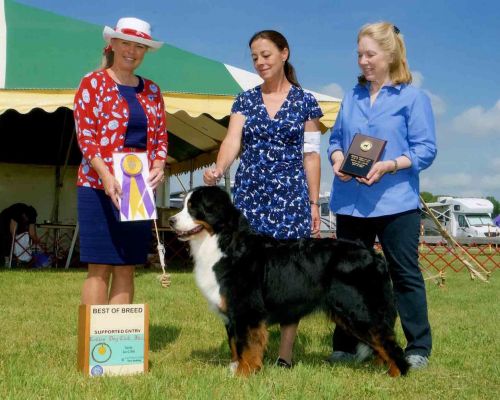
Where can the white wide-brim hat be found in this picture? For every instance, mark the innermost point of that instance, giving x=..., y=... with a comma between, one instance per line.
x=133, y=30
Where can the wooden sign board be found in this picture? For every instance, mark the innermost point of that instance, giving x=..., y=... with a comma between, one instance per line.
x=113, y=339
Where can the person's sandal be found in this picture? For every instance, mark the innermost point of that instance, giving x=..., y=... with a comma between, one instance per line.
x=282, y=363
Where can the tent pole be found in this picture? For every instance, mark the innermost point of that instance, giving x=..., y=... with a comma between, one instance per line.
x=55, y=206
x=160, y=195
x=60, y=177
x=163, y=191
x=191, y=176
x=72, y=246
x=180, y=183
x=166, y=188
x=68, y=153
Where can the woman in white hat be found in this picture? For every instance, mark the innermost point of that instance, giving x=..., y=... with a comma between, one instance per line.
x=116, y=111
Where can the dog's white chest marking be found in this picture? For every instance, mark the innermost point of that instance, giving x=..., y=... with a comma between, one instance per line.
x=206, y=253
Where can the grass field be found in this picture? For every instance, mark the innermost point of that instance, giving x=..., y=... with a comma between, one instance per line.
x=189, y=355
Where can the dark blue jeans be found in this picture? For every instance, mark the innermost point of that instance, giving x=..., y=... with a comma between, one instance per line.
x=398, y=234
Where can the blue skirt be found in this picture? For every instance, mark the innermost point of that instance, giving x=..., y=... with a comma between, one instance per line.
x=103, y=238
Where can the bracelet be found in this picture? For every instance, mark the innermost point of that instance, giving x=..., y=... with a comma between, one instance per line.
x=315, y=203
x=395, y=166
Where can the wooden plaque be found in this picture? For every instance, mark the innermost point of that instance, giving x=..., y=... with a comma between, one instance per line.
x=363, y=152
x=113, y=339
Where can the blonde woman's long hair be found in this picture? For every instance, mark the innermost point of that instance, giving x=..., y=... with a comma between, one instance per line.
x=391, y=41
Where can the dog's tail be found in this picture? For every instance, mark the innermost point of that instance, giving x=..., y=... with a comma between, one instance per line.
x=381, y=298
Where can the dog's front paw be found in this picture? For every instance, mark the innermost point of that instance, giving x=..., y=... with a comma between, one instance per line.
x=233, y=366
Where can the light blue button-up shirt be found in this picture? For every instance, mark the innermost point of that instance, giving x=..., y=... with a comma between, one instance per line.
x=401, y=115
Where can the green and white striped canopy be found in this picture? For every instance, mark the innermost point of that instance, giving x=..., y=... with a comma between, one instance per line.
x=43, y=56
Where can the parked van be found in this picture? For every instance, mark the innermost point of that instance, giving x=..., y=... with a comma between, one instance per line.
x=462, y=217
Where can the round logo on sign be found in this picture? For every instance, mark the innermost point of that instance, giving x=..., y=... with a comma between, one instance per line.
x=96, y=370
x=101, y=352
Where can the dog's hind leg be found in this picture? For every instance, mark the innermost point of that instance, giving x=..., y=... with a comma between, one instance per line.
x=250, y=347
x=388, y=350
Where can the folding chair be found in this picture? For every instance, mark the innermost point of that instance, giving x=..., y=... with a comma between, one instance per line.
x=20, y=249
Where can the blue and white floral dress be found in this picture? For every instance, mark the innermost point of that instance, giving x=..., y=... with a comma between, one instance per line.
x=271, y=188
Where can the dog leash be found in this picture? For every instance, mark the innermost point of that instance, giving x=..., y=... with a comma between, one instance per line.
x=164, y=278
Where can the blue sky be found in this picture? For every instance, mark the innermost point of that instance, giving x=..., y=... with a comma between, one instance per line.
x=453, y=51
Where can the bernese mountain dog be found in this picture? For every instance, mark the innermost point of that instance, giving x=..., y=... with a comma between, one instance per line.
x=252, y=280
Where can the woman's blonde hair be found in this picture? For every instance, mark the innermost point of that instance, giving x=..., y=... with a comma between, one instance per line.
x=391, y=41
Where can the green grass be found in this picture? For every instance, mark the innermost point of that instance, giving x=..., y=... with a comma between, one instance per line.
x=189, y=355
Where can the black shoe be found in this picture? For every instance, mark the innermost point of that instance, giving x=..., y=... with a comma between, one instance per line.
x=282, y=363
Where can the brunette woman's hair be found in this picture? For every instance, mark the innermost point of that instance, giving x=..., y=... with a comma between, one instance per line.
x=281, y=43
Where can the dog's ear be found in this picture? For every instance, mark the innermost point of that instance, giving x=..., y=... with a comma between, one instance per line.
x=212, y=205
x=217, y=208
x=242, y=222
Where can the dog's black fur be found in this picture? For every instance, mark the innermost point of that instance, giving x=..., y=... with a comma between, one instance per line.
x=264, y=281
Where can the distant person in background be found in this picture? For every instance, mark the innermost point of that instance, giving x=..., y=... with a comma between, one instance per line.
x=385, y=204
x=277, y=183
x=116, y=111
x=15, y=220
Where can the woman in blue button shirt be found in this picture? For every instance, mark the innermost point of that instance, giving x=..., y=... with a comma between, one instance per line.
x=385, y=204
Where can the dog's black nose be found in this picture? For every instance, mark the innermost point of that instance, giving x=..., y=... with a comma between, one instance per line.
x=171, y=221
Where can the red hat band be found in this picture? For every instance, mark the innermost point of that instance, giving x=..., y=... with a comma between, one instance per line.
x=133, y=32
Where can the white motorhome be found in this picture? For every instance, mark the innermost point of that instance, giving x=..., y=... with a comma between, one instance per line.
x=463, y=217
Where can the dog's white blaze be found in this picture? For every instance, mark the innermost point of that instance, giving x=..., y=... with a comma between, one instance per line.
x=184, y=221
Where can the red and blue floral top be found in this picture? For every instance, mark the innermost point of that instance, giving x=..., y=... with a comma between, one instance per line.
x=101, y=117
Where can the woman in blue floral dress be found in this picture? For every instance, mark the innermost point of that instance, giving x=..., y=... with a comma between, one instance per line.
x=277, y=184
